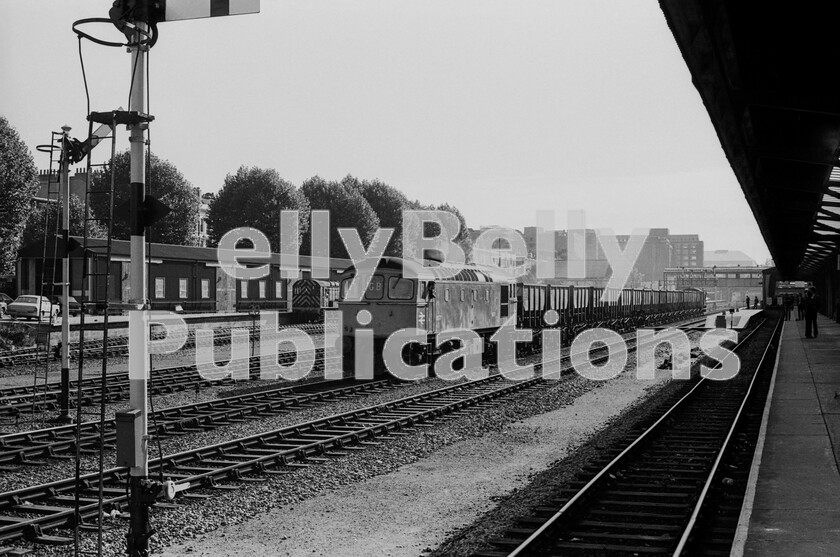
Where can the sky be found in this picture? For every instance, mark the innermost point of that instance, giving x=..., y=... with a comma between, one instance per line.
x=499, y=108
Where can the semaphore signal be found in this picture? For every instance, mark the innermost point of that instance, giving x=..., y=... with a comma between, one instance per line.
x=177, y=10
x=137, y=20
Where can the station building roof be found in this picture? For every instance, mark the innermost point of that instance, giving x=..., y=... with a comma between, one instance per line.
x=121, y=249
x=765, y=72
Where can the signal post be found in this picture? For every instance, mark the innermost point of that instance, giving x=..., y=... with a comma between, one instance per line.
x=132, y=425
x=64, y=184
x=141, y=493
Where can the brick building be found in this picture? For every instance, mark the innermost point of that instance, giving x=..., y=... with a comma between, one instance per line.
x=686, y=250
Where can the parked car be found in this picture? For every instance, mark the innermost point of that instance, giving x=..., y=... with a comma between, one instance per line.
x=32, y=307
x=5, y=300
x=75, y=307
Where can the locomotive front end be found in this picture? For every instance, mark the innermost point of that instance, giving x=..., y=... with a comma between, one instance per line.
x=390, y=302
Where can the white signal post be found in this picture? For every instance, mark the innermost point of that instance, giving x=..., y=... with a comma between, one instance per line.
x=142, y=491
x=138, y=351
x=138, y=356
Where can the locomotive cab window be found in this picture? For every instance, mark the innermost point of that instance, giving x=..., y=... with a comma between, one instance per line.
x=374, y=290
x=446, y=295
x=243, y=289
x=400, y=288
x=279, y=290
x=474, y=296
x=462, y=295
x=182, y=288
x=205, y=289
x=262, y=285
x=160, y=287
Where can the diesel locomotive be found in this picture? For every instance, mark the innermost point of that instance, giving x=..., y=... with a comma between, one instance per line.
x=433, y=299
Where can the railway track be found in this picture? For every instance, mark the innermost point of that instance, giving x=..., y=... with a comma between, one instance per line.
x=59, y=442
x=17, y=400
x=118, y=346
x=52, y=442
x=31, y=512
x=663, y=493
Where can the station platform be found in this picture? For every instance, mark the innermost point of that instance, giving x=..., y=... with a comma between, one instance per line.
x=792, y=506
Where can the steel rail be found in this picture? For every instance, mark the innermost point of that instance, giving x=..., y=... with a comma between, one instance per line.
x=723, y=450
x=259, y=453
x=47, y=441
x=19, y=399
x=252, y=454
x=537, y=537
x=119, y=345
x=177, y=420
x=14, y=400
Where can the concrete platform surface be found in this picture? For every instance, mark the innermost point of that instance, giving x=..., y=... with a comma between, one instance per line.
x=793, y=503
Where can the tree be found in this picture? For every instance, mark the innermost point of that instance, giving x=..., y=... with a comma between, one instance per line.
x=254, y=197
x=18, y=183
x=48, y=214
x=164, y=182
x=463, y=238
x=347, y=207
x=388, y=203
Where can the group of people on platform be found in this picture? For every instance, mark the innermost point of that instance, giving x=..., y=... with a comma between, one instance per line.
x=806, y=304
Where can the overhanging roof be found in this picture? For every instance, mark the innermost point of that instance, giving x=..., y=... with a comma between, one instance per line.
x=766, y=74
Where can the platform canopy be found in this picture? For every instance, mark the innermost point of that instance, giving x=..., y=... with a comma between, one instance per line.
x=766, y=72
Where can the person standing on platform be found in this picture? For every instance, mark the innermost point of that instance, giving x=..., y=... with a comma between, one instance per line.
x=801, y=307
x=788, y=302
x=812, y=303
x=748, y=302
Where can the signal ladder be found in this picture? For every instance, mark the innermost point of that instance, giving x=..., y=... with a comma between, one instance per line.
x=49, y=268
